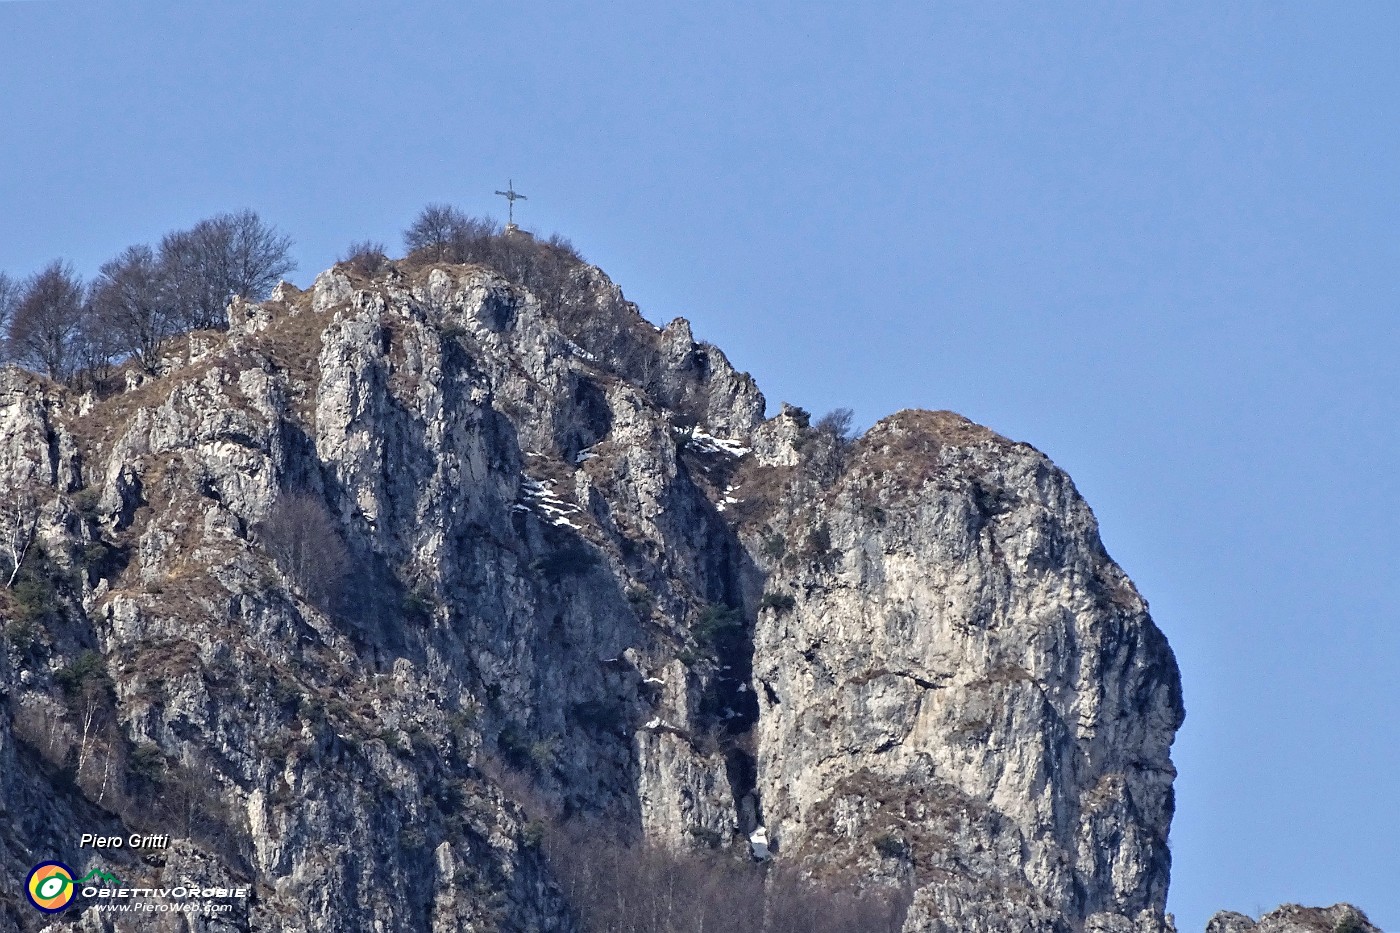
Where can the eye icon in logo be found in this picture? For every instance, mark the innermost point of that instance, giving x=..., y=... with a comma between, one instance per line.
x=50, y=886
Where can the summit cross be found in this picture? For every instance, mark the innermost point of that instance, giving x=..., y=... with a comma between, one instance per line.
x=511, y=195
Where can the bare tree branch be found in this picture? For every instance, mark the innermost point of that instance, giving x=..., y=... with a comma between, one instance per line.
x=218, y=258
x=644, y=888
x=133, y=302
x=48, y=320
x=19, y=520
x=445, y=233
x=304, y=541
x=366, y=257
x=9, y=301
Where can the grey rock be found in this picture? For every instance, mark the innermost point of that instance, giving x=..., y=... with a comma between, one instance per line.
x=1291, y=918
x=966, y=688
x=583, y=576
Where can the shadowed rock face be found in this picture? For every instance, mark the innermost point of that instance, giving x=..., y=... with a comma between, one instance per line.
x=582, y=578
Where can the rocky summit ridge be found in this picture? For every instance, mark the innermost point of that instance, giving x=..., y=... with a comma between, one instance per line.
x=361, y=598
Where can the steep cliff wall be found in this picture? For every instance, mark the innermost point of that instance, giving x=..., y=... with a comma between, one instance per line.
x=961, y=688
x=352, y=597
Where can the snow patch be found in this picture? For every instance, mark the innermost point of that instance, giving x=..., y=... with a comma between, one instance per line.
x=580, y=352
x=708, y=443
x=540, y=498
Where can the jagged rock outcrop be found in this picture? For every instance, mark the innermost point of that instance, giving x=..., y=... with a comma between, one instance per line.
x=565, y=571
x=1290, y=918
x=957, y=682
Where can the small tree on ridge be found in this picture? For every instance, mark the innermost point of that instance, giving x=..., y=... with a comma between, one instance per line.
x=48, y=321
x=218, y=258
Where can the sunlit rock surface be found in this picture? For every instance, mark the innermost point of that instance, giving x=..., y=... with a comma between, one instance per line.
x=574, y=574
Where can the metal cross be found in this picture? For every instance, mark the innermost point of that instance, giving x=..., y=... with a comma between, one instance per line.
x=511, y=195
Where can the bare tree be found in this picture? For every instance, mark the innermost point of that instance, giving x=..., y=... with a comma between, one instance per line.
x=303, y=539
x=218, y=258
x=545, y=267
x=443, y=232
x=836, y=424
x=9, y=300
x=188, y=802
x=826, y=446
x=366, y=257
x=48, y=321
x=434, y=230
x=90, y=710
x=132, y=305
x=98, y=346
x=19, y=519
x=645, y=888
x=259, y=256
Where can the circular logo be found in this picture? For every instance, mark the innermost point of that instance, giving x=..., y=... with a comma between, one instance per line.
x=50, y=886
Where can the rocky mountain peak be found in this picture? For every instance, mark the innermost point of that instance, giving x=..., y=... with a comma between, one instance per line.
x=365, y=597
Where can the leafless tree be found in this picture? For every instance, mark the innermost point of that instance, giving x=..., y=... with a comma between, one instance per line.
x=366, y=257
x=133, y=306
x=545, y=267
x=826, y=446
x=443, y=232
x=645, y=888
x=19, y=519
x=91, y=707
x=48, y=321
x=302, y=538
x=794, y=904
x=9, y=300
x=98, y=346
x=836, y=424
x=434, y=231
x=218, y=258
x=188, y=802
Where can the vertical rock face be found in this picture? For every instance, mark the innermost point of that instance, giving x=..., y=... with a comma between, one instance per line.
x=559, y=567
x=958, y=688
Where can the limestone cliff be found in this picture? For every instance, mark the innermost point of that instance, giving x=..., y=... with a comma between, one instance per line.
x=352, y=597
x=965, y=679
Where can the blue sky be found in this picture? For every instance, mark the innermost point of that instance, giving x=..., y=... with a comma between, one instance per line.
x=1158, y=241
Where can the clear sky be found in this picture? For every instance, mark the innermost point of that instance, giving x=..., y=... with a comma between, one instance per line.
x=1161, y=242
